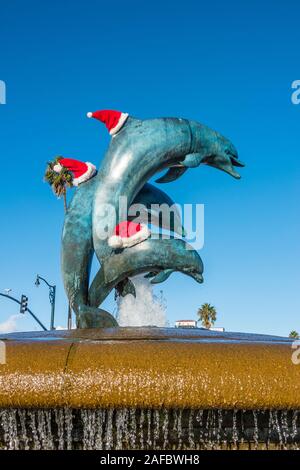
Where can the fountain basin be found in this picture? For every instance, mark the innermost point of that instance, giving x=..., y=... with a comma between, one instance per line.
x=148, y=368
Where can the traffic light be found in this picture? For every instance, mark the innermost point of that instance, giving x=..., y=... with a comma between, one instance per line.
x=24, y=304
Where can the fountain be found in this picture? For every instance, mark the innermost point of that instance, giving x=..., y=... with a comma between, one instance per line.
x=105, y=386
x=148, y=388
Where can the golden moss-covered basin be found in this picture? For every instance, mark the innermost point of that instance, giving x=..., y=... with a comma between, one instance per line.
x=148, y=367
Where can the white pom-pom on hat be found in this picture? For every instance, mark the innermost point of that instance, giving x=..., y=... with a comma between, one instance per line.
x=89, y=114
x=57, y=168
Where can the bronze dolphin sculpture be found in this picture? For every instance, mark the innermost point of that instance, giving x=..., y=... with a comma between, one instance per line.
x=138, y=151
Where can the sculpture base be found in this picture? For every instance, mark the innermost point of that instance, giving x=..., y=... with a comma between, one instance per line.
x=148, y=368
x=148, y=388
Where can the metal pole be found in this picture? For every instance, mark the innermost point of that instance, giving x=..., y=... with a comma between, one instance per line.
x=52, y=293
x=27, y=310
x=69, y=317
x=52, y=301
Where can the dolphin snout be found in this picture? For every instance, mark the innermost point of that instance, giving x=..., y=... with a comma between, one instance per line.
x=233, y=173
x=234, y=162
x=234, y=158
x=225, y=162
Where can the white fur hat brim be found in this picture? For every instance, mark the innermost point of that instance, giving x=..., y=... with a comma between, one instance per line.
x=120, y=124
x=90, y=172
x=115, y=241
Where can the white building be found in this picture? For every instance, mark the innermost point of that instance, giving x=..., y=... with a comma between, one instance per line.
x=186, y=324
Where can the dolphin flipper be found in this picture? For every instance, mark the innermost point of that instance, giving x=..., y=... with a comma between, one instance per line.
x=192, y=160
x=172, y=174
x=150, y=275
x=162, y=276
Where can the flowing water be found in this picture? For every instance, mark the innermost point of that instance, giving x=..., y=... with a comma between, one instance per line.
x=130, y=428
x=146, y=309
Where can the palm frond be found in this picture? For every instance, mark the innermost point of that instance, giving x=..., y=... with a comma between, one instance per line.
x=59, y=182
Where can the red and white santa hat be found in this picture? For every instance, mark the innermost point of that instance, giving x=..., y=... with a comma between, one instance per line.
x=82, y=171
x=128, y=234
x=114, y=120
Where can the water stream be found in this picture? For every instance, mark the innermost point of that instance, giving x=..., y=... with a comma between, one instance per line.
x=130, y=428
x=146, y=309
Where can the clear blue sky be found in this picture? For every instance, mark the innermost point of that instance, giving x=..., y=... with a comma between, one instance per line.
x=227, y=64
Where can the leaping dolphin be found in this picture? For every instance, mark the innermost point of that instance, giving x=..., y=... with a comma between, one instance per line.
x=139, y=150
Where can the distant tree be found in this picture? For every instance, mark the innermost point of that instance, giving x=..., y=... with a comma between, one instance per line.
x=294, y=334
x=59, y=182
x=207, y=315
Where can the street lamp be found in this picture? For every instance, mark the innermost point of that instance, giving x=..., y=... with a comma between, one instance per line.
x=52, y=291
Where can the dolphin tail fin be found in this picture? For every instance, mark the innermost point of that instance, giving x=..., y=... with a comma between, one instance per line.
x=92, y=317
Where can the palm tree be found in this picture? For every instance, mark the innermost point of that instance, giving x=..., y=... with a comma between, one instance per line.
x=294, y=334
x=59, y=182
x=207, y=314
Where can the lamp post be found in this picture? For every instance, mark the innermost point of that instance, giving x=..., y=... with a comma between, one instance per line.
x=52, y=291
